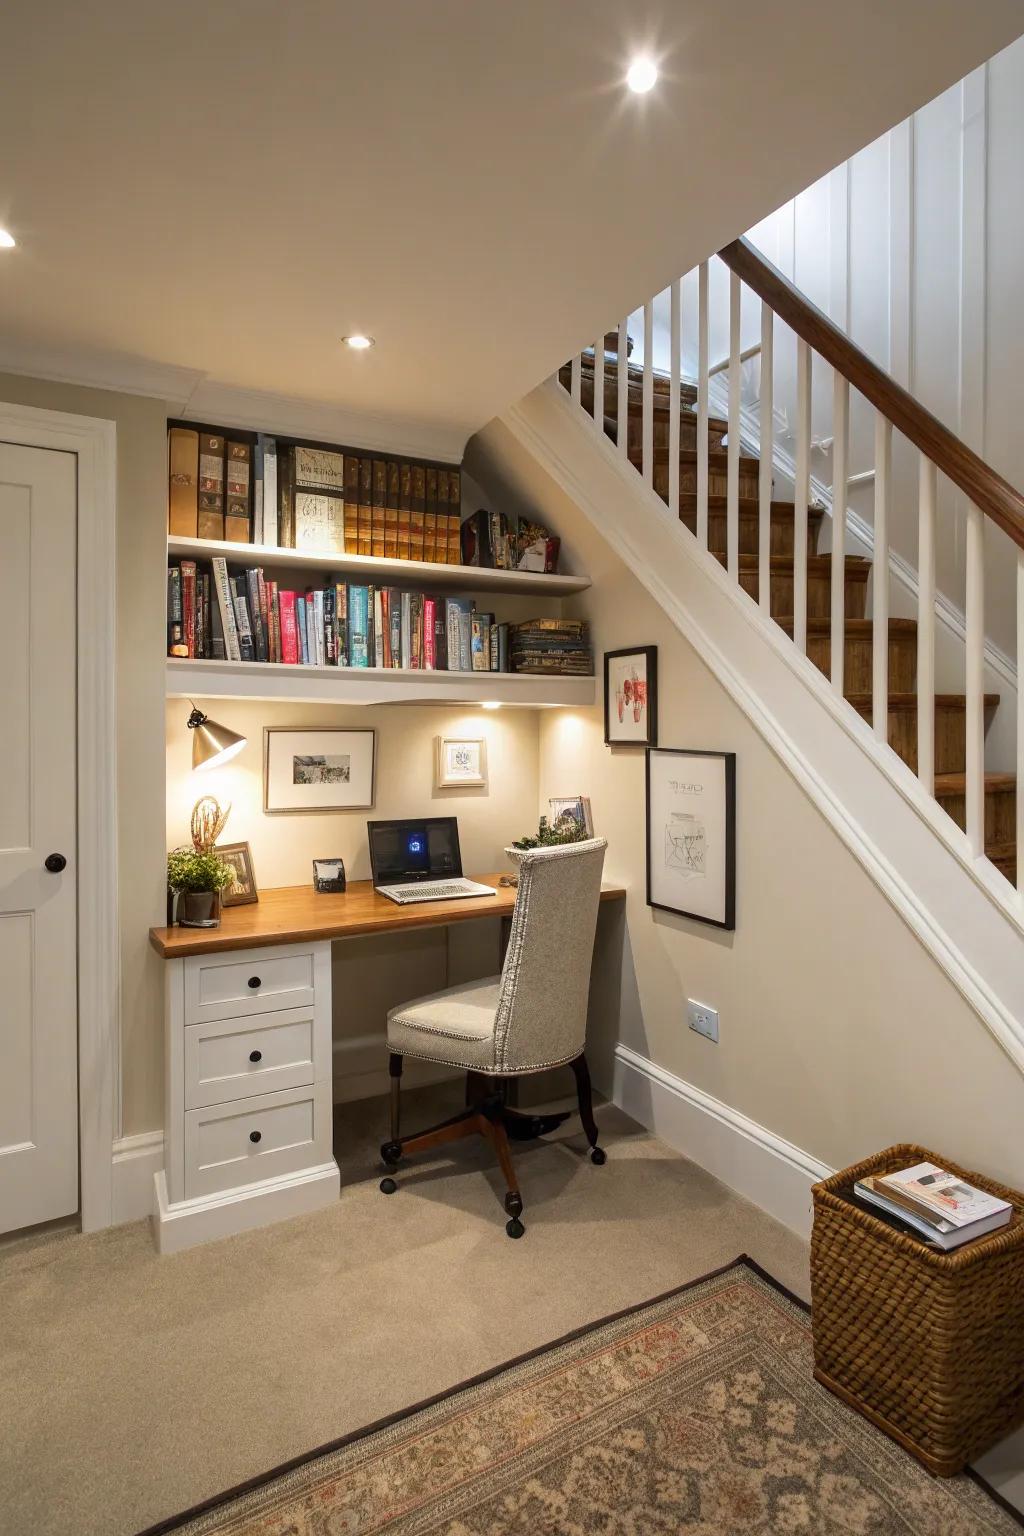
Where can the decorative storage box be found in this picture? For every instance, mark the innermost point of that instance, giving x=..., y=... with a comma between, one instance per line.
x=927, y=1345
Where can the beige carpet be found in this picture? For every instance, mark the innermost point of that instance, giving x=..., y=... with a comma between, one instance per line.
x=697, y=1413
x=133, y=1387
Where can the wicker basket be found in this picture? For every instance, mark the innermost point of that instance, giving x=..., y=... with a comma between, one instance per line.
x=929, y=1346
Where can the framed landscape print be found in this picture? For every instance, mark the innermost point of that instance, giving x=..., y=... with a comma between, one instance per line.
x=461, y=762
x=243, y=887
x=691, y=834
x=329, y=769
x=631, y=697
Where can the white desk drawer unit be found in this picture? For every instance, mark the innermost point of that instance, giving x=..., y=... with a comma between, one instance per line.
x=248, y=1127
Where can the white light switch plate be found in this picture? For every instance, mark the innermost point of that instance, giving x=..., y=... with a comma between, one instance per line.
x=702, y=1018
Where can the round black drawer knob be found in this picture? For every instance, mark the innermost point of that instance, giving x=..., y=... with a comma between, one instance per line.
x=255, y=1055
x=254, y=982
x=55, y=862
x=255, y=1135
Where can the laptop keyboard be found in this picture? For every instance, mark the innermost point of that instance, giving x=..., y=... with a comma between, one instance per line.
x=427, y=892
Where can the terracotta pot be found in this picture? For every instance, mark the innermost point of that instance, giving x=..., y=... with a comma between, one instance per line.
x=199, y=909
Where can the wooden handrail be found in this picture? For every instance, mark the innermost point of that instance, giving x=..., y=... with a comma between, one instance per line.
x=988, y=491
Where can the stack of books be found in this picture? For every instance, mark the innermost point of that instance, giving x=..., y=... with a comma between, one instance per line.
x=551, y=647
x=937, y=1206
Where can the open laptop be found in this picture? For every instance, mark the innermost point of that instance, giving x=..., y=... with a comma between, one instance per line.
x=419, y=860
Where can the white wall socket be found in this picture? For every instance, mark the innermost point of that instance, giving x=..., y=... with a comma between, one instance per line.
x=702, y=1018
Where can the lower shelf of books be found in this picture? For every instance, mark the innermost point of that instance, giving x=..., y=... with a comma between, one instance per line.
x=370, y=685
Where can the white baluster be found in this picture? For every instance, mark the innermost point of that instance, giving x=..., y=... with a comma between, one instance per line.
x=764, y=481
x=732, y=484
x=840, y=472
x=599, y=383
x=926, y=624
x=622, y=406
x=575, y=377
x=675, y=367
x=703, y=361
x=1020, y=722
x=974, y=616
x=802, y=493
x=647, y=459
x=880, y=581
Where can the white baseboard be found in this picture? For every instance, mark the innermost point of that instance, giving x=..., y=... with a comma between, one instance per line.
x=136, y=1160
x=752, y=1160
x=231, y=1211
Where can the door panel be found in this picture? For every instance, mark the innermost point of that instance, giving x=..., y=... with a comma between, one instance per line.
x=38, y=916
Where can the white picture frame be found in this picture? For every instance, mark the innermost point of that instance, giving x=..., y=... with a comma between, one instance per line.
x=460, y=762
x=328, y=768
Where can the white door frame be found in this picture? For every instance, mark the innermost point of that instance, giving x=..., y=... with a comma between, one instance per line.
x=94, y=442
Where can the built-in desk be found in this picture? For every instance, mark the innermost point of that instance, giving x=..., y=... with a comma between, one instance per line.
x=248, y=1123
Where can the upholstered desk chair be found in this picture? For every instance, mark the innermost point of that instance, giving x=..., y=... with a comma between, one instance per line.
x=531, y=1017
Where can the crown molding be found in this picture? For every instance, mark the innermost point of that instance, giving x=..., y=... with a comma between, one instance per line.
x=93, y=369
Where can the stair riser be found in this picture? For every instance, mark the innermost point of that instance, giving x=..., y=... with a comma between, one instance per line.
x=1000, y=813
x=687, y=393
x=950, y=736
x=718, y=481
x=857, y=663
x=782, y=530
x=661, y=424
x=819, y=593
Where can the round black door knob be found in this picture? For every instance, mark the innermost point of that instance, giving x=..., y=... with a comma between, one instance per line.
x=255, y=1055
x=55, y=862
x=255, y=1135
x=254, y=981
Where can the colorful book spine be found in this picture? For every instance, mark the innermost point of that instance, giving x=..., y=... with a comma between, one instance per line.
x=429, y=643
x=257, y=490
x=226, y=606
x=259, y=639
x=242, y=620
x=406, y=633
x=395, y=627
x=319, y=633
x=288, y=605
x=330, y=628
x=341, y=622
x=378, y=626
x=301, y=630
x=358, y=626
x=175, y=621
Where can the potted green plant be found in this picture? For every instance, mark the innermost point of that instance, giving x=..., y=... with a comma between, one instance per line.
x=197, y=877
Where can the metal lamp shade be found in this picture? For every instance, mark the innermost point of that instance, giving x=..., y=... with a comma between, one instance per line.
x=212, y=744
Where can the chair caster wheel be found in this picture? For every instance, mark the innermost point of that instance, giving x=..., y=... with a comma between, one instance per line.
x=391, y=1154
x=598, y=1155
x=514, y=1228
x=388, y=1186
x=513, y=1205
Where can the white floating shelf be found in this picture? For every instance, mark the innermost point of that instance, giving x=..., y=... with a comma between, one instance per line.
x=419, y=573
x=369, y=685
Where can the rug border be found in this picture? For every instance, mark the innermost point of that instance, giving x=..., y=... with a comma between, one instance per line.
x=261, y=1479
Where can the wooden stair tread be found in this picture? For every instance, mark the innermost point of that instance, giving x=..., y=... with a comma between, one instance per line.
x=856, y=565
x=750, y=505
x=853, y=626
x=956, y=783
x=910, y=701
x=718, y=458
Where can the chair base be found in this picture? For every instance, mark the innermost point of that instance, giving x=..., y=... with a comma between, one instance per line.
x=486, y=1114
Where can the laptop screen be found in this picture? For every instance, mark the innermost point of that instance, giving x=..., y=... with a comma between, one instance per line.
x=423, y=849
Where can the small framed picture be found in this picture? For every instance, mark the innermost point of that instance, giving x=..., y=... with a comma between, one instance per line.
x=328, y=769
x=461, y=763
x=571, y=810
x=631, y=697
x=243, y=887
x=329, y=875
x=691, y=834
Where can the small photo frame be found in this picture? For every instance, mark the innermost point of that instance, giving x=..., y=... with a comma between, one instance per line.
x=691, y=834
x=461, y=763
x=327, y=769
x=631, y=697
x=329, y=875
x=571, y=808
x=243, y=887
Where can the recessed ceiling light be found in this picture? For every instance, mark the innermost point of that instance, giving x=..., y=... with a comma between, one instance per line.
x=641, y=75
x=7, y=240
x=358, y=343
x=490, y=704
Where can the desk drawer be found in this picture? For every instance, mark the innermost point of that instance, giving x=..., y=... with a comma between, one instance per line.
x=229, y=1059
x=229, y=1145
x=232, y=985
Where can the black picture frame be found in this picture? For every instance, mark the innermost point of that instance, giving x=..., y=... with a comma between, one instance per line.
x=727, y=920
x=650, y=655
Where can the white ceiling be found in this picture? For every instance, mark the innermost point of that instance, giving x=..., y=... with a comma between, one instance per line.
x=219, y=191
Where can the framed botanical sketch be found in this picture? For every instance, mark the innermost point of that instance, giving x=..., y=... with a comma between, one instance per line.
x=243, y=887
x=631, y=697
x=461, y=762
x=327, y=769
x=691, y=834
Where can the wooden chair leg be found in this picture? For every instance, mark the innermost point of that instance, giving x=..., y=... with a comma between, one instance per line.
x=391, y=1151
x=581, y=1072
x=513, y=1199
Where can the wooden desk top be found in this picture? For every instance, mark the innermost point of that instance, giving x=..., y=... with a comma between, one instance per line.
x=291, y=914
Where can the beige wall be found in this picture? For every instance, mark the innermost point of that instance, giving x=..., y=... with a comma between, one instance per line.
x=838, y=1031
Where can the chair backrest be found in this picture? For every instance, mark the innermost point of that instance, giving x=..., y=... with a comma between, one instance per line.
x=545, y=981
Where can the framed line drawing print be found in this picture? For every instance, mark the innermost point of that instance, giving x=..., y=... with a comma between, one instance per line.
x=631, y=697
x=691, y=834
x=325, y=769
x=460, y=761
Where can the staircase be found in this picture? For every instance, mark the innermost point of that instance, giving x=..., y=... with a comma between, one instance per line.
x=949, y=747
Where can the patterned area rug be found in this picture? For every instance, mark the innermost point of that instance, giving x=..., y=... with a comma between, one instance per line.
x=694, y=1413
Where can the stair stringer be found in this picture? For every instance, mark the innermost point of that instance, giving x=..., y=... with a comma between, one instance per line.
x=964, y=913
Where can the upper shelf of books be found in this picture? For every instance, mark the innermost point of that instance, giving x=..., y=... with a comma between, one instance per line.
x=380, y=569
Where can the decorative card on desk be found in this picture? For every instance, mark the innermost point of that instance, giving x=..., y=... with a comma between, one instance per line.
x=328, y=769
x=691, y=834
x=570, y=812
x=631, y=696
x=461, y=763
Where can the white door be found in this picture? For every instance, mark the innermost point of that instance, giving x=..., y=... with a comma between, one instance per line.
x=38, y=909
